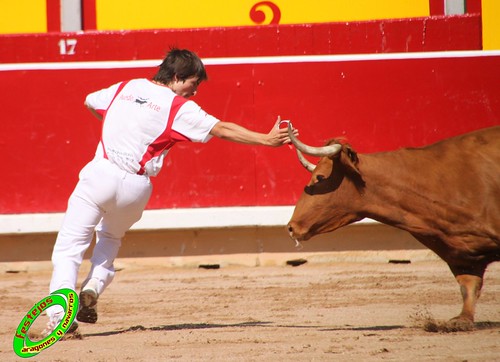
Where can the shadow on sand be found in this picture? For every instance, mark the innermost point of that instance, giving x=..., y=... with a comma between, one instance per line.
x=177, y=327
x=194, y=326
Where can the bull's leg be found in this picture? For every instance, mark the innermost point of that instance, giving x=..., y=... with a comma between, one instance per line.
x=470, y=287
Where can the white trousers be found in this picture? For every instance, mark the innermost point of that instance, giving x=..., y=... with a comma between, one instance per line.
x=106, y=200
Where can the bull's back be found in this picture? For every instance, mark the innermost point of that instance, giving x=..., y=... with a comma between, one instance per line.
x=466, y=162
x=453, y=185
x=472, y=160
x=480, y=180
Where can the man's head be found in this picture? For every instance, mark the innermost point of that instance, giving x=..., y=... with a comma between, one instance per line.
x=182, y=70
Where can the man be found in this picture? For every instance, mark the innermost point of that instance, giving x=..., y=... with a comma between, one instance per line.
x=142, y=120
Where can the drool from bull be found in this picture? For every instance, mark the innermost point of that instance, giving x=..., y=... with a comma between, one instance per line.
x=447, y=195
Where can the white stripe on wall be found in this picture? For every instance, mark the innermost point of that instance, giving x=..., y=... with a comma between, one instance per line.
x=251, y=60
x=212, y=217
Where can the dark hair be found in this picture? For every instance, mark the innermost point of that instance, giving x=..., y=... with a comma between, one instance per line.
x=183, y=63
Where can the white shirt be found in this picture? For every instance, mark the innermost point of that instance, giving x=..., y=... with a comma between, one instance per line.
x=134, y=134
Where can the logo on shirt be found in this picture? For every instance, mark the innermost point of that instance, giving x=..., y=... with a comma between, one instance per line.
x=141, y=102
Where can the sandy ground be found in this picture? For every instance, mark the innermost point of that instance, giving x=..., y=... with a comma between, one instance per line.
x=313, y=312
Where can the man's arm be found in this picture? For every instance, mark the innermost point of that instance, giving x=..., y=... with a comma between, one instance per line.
x=93, y=111
x=236, y=133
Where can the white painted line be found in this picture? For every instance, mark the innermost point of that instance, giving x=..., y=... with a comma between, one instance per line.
x=348, y=57
x=165, y=219
x=252, y=60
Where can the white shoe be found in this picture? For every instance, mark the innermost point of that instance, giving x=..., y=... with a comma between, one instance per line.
x=54, y=321
x=87, y=312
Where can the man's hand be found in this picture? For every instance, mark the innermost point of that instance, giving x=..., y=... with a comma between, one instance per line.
x=278, y=135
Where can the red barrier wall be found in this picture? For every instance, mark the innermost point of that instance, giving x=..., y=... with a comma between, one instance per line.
x=378, y=104
x=383, y=36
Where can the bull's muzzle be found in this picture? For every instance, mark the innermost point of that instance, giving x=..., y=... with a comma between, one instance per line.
x=293, y=236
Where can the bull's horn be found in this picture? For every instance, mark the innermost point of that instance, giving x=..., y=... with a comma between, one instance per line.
x=308, y=165
x=329, y=150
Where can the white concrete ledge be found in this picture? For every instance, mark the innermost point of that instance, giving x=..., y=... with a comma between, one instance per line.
x=214, y=217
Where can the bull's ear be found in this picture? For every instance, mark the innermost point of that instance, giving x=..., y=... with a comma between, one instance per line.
x=349, y=159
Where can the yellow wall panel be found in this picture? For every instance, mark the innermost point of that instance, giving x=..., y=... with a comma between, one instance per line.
x=161, y=14
x=491, y=25
x=352, y=10
x=23, y=16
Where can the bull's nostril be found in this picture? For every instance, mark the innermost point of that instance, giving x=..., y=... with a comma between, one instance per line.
x=290, y=228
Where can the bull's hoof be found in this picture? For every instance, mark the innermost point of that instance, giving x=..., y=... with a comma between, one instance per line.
x=459, y=324
x=453, y=325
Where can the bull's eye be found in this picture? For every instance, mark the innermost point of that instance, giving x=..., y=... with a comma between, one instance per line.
x=317, y=185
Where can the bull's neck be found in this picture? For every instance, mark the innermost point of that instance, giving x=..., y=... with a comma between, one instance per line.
x=389, y=187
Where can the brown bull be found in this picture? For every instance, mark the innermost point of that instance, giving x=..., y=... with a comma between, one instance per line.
x=447, y=195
